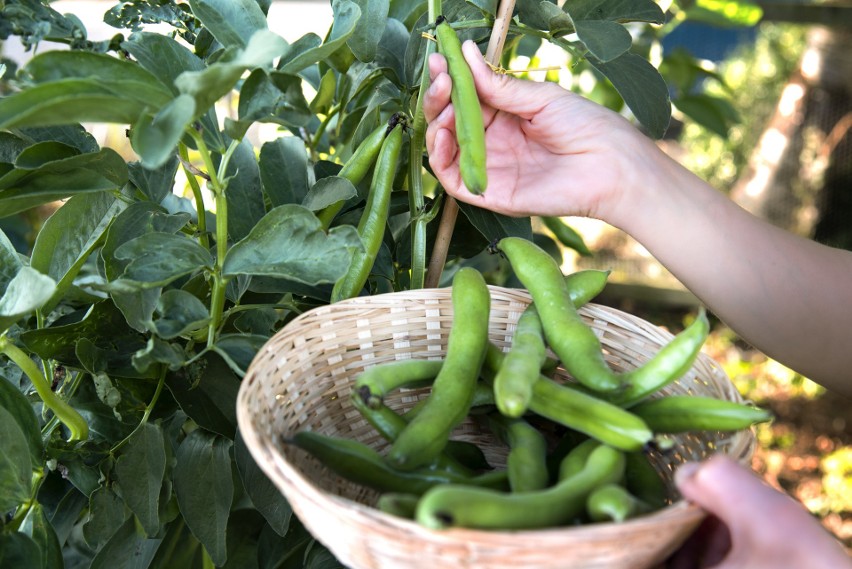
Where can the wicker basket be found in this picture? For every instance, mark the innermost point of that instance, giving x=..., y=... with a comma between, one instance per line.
x=301, y=380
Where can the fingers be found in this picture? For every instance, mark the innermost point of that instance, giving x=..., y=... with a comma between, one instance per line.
x=437, y=96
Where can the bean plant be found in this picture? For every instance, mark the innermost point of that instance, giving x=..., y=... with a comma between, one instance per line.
x=129, y=316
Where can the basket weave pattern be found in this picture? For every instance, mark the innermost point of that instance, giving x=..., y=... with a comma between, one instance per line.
x=301, y=380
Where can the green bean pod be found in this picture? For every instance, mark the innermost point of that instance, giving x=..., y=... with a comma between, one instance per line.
x=363, y=465
x=483, y=396
x=643, y=481
x=452, y=505
x=453, y=389
x=569, y=337
x=470, y=127
x=566, y=235
x=581, y=411
x=685, y=413
x=400, y=504
x=575, y=460
x=513, y=384
x=390, y=424
x=585, y=285
x=371, y=227
x=669, y=364
x=612, y=502
x=376, y=381
x=355, y=168
x=527, y=458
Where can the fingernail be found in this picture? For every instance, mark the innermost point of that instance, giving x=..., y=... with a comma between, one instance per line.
x=685, y=471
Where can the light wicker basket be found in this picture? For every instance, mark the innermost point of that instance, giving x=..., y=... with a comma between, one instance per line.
x=301, y=379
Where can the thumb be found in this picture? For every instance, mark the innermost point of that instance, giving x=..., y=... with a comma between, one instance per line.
x=506, y=93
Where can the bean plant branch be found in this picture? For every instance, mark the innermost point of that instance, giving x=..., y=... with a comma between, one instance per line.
x=451, y=208
x=76, y=424
x=191, y=179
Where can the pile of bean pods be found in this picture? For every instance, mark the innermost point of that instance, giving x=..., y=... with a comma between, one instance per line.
x=576, y=452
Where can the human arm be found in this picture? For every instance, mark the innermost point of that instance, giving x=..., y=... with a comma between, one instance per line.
x=749, y=524
x=552, y=152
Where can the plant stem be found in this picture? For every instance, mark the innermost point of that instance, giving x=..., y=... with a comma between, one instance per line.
x=147, y=412
x=77, y=426
x=332, y=112
x=199, y=199
x=416, y=202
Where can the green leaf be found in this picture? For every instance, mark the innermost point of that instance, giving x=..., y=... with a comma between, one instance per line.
x=66, y=102
x=126, y=549
x=713, y=113
x=496, y=226
x=265, y=496
x=368, y=30
x=390, y=52
x=158, y=258
x=231, y=22
x=155, y=183
x=244, y=194
x=38, y=527
x=642, y=88
x=104, y=326
x=238, y=350
x=327, y=191
x=284, y=170
x=154, y=137
x=74, y=135
x=205, y=489
x=218, y=79
x=311, y=257
x=139, y=472
x=10, y=262
x=206, y=391
x=324, y=99
x=15, y=463
x=306, y=52
x=107, y=512
x=20, y=409
x=163, y=56
x=605, y=40
x=69, y=236
x=180, y=313
x=158, y=352
x=26, y=293
x=616, y=10
x=18, y=550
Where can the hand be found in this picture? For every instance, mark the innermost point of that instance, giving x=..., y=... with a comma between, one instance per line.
x=751, y=525
x=549, y=151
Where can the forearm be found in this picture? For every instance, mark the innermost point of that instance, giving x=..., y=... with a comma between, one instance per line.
x=788, y=296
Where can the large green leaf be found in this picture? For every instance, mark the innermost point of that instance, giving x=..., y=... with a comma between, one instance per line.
x=368, y=30
x=139, y=471
x=126, y=549
x=107, y=512
x=642, y=88
x=494, y=226
x=158, y=258
x=284, y=170
x=327, y=191
x=15, y=463
x=205, y=489
x=25, y=293
x=238, y=350
x=206, y=391
x=155, y=183
x=31, y=184
x=311, y=255
x=615, y=10
x=13, y=401
x=163, y=56
x=243, y=194
x=264, y=494
x=218, y=79
x=70, y=235
x=38, y=527
x=68, y=101
x=179, y=313
x=307, y=51
x=155, y=136
x=231, y=22
x=716, y=114
x=605, y=40
x=18, y=550
x=10, y=262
